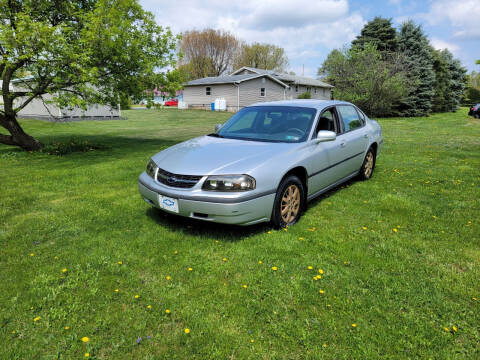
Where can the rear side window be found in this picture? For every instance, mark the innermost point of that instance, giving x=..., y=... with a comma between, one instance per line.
x=350, y=118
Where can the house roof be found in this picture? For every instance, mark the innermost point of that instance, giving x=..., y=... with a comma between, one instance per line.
x=295, y=79
x=233, y=79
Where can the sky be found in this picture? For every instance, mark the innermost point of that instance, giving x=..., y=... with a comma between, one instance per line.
x=309, y=29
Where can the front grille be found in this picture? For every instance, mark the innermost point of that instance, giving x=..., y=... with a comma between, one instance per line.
x=176, y=180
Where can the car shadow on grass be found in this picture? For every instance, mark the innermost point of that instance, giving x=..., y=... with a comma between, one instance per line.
x=195, y=227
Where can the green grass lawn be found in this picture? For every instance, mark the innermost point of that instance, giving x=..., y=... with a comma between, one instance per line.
x=399, y=254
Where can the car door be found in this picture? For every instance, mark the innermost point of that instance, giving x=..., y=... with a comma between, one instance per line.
x=326, y=165
x=353, y=140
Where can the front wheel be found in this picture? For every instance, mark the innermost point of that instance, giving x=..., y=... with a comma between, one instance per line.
x=289, y=202
x=366, y=171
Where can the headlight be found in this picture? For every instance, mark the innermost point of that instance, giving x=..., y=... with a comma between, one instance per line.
x=229, y=183
x=151, y=168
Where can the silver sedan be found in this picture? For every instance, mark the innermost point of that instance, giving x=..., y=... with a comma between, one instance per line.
x=265, y=163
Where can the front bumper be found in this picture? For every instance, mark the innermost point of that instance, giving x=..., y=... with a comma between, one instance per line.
x=209, y=206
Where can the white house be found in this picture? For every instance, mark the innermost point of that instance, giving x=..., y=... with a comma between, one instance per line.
x=41, y=108
x=248, y=85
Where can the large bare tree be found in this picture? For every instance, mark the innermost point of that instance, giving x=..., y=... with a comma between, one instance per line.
x=208, y=52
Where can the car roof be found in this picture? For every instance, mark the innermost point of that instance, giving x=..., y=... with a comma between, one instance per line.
x=310, y=103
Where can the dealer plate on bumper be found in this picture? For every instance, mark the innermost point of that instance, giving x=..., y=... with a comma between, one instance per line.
x=168, y=203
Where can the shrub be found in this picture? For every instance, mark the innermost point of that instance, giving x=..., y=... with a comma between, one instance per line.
x=305, y=95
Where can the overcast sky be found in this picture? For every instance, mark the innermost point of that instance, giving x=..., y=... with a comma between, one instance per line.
x=309, y=29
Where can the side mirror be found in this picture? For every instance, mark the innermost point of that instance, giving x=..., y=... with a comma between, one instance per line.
x=324, y=135
x=218, y=127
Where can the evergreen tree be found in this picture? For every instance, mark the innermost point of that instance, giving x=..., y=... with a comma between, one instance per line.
x=450, y=81
x=380, y=32
x=418, y=56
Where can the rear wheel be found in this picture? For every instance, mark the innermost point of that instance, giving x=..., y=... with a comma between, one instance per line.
x=289, y=202
x=366, y=171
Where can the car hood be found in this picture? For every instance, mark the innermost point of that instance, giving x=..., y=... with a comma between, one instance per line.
x=208, y=155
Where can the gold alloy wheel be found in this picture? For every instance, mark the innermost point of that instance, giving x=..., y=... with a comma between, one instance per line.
x=290, y=205
x=368, y=165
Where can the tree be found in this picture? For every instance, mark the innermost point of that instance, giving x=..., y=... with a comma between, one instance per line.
x=263, y=56
x=380, y=32
x=415, y=47
x=80, y=52
x=361, y=76
x=208, y=52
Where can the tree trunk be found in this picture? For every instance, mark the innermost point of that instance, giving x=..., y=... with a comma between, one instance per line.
x=17, y=136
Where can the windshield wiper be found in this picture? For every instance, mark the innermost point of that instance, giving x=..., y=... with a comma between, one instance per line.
x=215, y=135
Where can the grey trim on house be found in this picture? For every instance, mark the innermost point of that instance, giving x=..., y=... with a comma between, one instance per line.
x=287, y=78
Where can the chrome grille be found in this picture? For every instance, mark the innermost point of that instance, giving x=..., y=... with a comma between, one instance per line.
x=176, y=180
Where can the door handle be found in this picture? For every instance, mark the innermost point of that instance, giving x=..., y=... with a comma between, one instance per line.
x=343, y=144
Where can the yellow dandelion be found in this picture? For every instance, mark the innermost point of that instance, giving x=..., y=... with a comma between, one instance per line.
x=324, y=345
x=315, y=278
x=67, y=327
x=87, y=355
x=454, y=328
x=224, y=259
x=320, y=271
x=149, y=307
x=260, y=262
x=252, y=341
x=446, y=329
x=395, y=230
x=175, y=252
x=244, y=286
x=269, y=232
x=474, y=298
x=321, y=291
x=301, y=238
x=190, y=269
x=64, y=270
x=136, y=296
x=120, y=262
x=14, y=332
x=85, y=339
x=32, y=254
x=312, y=229
x=36, y=319
x=274, y=268
x=354, y=325
x=310, y=267
x=217, y=241
x=55, y=257
x=31, y=307
x=285, y=229
x=187, y=331
x=364, y=227
x=116, y=290
x=168, y=277
x=167, y=311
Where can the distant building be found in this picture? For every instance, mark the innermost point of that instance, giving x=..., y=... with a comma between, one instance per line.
x=248, y=85
x=41, y=108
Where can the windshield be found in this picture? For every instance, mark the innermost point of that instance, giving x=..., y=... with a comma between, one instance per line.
x=270, y=123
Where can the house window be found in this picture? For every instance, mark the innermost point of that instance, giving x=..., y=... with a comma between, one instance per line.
x=315, y=90
x=323, y=92
x=208, y=90
x=296, y=88
x=262, y=92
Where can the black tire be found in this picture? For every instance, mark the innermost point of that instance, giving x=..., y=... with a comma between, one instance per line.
x=288, y=182
x=368, y=166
